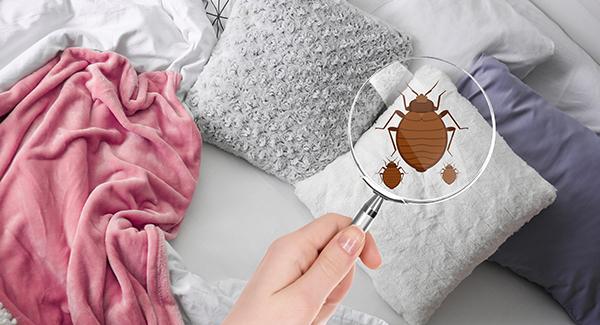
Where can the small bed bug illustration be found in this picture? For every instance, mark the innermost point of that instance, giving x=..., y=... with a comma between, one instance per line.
x=449, y=174
x=391, y=174
x=421, y=135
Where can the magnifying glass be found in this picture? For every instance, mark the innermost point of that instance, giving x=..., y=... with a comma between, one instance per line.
x=425, y=147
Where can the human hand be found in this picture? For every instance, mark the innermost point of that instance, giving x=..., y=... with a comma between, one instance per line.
x=305, y=274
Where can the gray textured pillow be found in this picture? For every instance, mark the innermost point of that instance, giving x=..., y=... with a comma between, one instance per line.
x=279, y=84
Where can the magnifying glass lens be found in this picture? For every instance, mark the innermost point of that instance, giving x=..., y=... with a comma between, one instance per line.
x=427, y=143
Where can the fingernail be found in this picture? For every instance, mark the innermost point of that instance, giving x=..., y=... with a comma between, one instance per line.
x=350, y=240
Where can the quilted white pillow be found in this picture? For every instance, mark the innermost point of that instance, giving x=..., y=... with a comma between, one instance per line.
x=428, y=250
x=458, y=31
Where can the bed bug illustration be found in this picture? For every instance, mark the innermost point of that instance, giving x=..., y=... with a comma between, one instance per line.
x=391, y=174
x=421, y=136
x=449, y=174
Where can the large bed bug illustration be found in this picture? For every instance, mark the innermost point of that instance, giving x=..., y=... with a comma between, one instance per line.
x=449, y=174
x=421, y=135
x=391, y=174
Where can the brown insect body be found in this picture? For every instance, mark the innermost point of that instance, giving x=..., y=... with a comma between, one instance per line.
x=421, y=139
x=391, y=174
x=421, y=136
x=449, y=174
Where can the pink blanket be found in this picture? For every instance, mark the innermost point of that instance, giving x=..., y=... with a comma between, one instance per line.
x=97, y=167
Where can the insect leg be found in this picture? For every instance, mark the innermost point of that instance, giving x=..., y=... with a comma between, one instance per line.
x=390, y=130
x=399, y=113
x=440, y=99
x=404, y=101
x=446, y=112
x=453, y=130
x=380, y=172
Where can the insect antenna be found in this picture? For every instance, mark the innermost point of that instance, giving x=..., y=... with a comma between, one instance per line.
x=427, y=93
x=414, y=92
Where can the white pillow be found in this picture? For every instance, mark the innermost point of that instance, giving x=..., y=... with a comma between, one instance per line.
x=577, y=19
x=171, y=35
x=570, y=78
x=428, y=250
x=458, y=31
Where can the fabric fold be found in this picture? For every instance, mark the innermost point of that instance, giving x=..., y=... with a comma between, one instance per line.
x=97, y=167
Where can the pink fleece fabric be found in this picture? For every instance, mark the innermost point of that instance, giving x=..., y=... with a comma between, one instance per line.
x=97, y=167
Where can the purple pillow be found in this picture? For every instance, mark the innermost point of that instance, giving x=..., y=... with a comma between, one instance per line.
x=560, y=248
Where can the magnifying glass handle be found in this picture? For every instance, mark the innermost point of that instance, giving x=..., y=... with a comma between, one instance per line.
x=367, y=213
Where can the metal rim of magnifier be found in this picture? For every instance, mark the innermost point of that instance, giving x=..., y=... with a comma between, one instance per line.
x=378, y=189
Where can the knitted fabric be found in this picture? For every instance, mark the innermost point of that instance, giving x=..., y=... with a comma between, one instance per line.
x=278, y=86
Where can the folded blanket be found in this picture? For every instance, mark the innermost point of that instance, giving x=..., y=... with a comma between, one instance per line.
x=97, y=167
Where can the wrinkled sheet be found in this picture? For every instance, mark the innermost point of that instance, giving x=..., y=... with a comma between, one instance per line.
x=97, y=167
x=173, y=35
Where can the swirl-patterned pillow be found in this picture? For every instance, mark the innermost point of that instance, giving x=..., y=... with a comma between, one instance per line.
x=278, y=86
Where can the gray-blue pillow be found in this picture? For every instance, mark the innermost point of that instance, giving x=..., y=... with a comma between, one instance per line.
x=560, y=248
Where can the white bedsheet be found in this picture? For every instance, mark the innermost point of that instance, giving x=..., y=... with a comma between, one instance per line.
x=154, y=34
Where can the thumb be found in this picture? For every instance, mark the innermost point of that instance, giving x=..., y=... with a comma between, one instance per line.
x=331, y=266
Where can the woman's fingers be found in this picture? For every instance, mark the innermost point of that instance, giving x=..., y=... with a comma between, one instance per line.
x=370, y=255
x=290, y=256
x=319, y=233
x=306, y=273
x=334, y=299
x=329, y=269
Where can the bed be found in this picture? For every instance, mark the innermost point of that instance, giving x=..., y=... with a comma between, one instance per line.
x=219, y=240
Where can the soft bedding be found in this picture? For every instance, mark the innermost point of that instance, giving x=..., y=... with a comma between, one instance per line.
x=569, y=79
x=97, y=167
x=24, y=60
x=154, y=35
x=578, y=19
x=277, y=90
x=560, y=248
x=459, y=31
x=429, y=249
